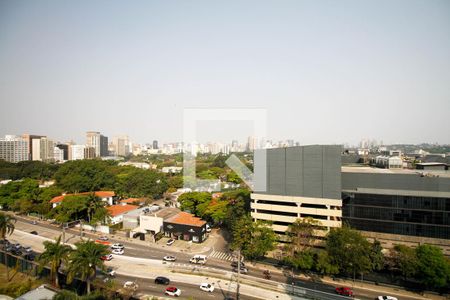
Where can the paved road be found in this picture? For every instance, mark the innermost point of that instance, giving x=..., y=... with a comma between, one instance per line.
x=146, y=251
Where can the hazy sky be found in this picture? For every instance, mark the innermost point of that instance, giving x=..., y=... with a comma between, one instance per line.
x=326, y=71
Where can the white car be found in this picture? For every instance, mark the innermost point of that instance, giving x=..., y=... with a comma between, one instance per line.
x=103, y=238
x=170, y=242
x=169, y=258
x=172, y=291
x=386, y=298
x=130, y=285
x=117, y=251
x=117, y=246
x=207, y=287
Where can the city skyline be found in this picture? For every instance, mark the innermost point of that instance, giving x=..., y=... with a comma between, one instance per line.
x=326, y=72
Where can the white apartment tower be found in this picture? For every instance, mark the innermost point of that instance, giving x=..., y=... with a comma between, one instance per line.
x=14, y=148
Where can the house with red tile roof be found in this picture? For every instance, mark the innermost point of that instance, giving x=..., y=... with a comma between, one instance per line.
x=139, y=201
x=106, y=196
x=185, y=226
x=118, y=211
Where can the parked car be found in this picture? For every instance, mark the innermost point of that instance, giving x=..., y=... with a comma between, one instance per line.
x=27, y=250
x=172, y=291
x=162, y=280
x=34, y=232
x=207, y=287
x=344, y=291
x=16, y=252
x=30, y=256
x=117, y=251
x=146, y=210
x=110, y=272
x=169, y=258
x=103, y=238
x=170, y=242
x=386, y=298
x=17, y=246
x=107, y=257
x=117, y=246
x=130, y=285
x=33, y=222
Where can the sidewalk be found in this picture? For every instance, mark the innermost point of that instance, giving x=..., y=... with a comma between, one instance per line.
x=382, y=289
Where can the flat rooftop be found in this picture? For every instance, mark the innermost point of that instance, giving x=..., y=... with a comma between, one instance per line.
x=348, y=169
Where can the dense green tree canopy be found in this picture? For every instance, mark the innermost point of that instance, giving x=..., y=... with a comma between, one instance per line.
x=433, y=267
x=85, y=176
x=136, y=182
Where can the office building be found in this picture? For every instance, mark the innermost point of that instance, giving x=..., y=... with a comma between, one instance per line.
x=65, y=150
x=42, y=149
x=121, y=145
x=398, y=206
x=97, y=141
x=76, y=152
x=155, y=144
x=30, y=138
x=14, y=148
x=301, y=182
x=58, y=155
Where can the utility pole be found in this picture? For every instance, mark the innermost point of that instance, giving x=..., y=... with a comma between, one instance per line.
x=64, y=232
x=238, y=273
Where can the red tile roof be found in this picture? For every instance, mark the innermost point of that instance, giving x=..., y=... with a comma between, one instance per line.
x=186, y=219
x=115, y=210
x=101, y=194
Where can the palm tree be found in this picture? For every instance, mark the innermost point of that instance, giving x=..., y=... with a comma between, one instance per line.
x=6, y=227
x=55, y=254
x=85, y=261
x=94, y=205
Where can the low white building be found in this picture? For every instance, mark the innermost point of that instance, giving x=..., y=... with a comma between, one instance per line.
x=117, y=212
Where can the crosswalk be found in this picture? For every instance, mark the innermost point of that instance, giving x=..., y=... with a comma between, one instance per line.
x=221, y=255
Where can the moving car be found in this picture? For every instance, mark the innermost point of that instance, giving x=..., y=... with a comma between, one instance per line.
x=172, y=291
x=107, y=257
x=34, y=232
x=207, y=287
x=169, y=258
x=103, y=238
x=170, y=242
x=198, y=259
x=117, y=246
x=386, y=298
x=130, y=285
x=162, y=280
x=344, y=291
x=117, y=251
x=244, y=270
x=234, y=264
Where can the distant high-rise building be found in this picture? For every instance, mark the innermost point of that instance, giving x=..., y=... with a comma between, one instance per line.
x=252, y=143
x=97, y=141
x=121, y=145
x=30, y=138
x=14, y=148
x=89, y=153
x=58, y=154
x=155, y=144
x=42, y=149
x=76, y=152
x=65, y=150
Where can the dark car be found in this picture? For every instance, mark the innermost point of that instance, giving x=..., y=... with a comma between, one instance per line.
x=162, y=280
x=30, y=256
x=16, y=252
x=234, y=264
x=34, y=232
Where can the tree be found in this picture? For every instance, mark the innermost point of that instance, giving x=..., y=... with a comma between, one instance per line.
x=73, y=207
x=6, y=228
x=405, y=260
x=85, y=176
x=195, y=202
x=55, y=253
x=376, y=256
x=254, y=239
x=301, y=234
x=303, y=260
x=324, y=264
x=349, y=250
x=137, y=183
x=85, y=260
x=94, y=204
x=433, y=267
